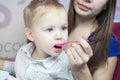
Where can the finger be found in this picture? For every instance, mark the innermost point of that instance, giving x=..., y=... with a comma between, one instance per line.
x=76, y=56
x=84, y=57
x=86, y=47
x=70, y=56
x=85, y=38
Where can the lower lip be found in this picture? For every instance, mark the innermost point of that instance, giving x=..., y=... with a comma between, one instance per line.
x=58, y=50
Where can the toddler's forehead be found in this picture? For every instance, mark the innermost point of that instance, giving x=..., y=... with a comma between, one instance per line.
x=43, y=11
x=50, y=17
x=47, y=9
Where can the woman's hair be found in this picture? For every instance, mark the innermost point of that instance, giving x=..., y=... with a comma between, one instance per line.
x=100, y=40
x=39, y=6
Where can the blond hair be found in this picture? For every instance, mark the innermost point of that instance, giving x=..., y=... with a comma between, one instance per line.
x=41, y=6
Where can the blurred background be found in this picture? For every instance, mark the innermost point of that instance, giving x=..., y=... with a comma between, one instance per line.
x=12, y=35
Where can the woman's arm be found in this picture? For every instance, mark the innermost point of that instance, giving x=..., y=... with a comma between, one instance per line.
x=82, y=74
x=105, y=72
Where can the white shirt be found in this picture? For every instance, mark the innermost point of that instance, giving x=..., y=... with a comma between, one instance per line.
x=51, y=68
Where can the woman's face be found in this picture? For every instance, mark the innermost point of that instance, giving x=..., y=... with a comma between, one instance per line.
x=89, y=8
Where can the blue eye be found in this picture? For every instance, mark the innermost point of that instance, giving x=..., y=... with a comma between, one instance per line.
x=49, y=29
x=64, y=28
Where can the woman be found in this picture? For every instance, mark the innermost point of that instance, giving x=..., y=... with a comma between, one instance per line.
x=92, y=19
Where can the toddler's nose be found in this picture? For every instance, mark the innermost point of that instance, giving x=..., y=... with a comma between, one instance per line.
x=58, y=36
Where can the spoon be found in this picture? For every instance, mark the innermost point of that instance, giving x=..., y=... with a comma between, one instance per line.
x=59, y=45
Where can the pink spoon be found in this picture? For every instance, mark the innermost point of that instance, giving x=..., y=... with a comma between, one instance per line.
x=59, y=45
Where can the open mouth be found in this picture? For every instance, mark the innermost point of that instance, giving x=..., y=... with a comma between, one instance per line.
x=58, y=45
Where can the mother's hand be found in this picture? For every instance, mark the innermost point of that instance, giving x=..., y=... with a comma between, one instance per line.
x=79, y=54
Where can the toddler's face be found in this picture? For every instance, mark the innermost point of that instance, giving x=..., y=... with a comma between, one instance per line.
x=50, y=29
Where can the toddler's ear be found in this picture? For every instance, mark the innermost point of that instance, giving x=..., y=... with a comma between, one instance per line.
x=29, y=34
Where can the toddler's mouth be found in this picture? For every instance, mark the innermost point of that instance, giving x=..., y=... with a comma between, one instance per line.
x=60, y=45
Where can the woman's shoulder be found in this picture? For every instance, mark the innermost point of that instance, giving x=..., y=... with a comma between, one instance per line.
x=114, y=46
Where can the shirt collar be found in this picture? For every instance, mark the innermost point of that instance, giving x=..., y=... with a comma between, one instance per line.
x=47, y=62
x=28, y=49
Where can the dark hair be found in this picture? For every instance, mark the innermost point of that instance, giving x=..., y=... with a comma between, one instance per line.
x=100, y=39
